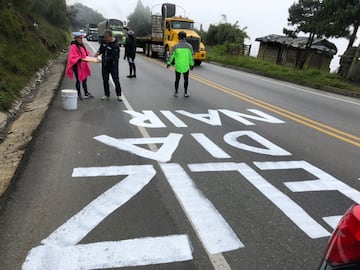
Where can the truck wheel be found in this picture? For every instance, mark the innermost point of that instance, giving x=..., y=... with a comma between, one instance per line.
x=198, y=62
x=152, y=53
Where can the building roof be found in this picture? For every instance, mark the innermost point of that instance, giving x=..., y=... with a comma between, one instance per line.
x=320, y=44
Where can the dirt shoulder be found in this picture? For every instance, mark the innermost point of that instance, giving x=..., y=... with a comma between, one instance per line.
x=18, y=125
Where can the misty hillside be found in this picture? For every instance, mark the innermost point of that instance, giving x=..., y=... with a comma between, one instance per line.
x=82, y=15
x=31, y=32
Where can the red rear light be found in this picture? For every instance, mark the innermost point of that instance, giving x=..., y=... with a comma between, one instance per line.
x=344, y=244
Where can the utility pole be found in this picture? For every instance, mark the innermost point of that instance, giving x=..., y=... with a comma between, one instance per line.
x=353, y=63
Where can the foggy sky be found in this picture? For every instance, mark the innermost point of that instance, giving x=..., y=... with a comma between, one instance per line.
x=261, y=17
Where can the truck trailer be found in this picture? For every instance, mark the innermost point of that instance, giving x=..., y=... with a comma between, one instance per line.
x=164, y=35
x=115, y=26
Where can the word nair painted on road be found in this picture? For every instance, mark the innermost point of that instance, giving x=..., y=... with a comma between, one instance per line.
x=61, y=249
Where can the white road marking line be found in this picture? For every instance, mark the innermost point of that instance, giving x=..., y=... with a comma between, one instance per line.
x=323, y=181
x=174, y=119
x=210, y=146
x=243, y=118
x=223, y=264
x=212, y=118
x=163, y=154
x=114, y=171
x=104, y=255
x=332, y=221
x=147, y=119
x=82, y=223
x=284, y=84
x=292, y=210
x=269, y=148
x=212, y=229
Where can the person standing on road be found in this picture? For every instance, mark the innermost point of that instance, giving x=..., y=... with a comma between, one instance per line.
x=184, y=62
x=110, y=52
x=75, y=65
x=130, y=53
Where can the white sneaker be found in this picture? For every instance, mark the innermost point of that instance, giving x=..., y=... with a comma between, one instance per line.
x=119, y=98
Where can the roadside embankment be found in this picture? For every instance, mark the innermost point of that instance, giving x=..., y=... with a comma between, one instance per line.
x=19, y=127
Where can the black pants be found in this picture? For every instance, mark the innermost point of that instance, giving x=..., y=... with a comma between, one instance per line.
x=177, y=81
x=114, y=71
x=78, y=83
x=132, y=66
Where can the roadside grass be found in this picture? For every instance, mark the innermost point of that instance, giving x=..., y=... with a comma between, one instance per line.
x=308, y=77
x=23, y=50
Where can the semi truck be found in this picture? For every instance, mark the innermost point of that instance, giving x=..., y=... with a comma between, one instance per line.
x=164, y=35
x=115, y=26
x=92, y=32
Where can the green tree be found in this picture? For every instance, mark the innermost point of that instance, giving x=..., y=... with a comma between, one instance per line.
x=55, y=12
x=306, y=16
x=20, y=5
x=341, y=18
x=81, y=15
x=225, y=33
x=140, y=19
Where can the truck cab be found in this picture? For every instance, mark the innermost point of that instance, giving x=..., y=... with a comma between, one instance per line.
x=114, y=25
x=174, y=25
x=164, y=35
x=92, y=32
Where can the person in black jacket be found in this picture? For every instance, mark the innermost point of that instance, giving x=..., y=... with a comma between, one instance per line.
x=110, y=52
x=130, y=53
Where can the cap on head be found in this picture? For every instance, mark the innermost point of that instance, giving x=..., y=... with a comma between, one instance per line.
x=78, y=34
x=182, y=35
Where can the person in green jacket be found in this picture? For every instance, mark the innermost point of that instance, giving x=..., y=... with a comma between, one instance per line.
x=183, y=56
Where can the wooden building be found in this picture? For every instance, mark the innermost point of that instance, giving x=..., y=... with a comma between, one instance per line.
x=284, y=50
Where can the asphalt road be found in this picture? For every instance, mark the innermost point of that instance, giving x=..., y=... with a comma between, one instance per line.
x=247, y=173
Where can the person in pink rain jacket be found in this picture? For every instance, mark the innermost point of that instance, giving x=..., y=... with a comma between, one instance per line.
x=75, y=65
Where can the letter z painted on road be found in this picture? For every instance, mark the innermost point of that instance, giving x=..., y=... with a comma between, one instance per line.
x=61, y=249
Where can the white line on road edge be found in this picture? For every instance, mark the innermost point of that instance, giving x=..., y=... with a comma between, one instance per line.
x=218, y=260
x=149, y=251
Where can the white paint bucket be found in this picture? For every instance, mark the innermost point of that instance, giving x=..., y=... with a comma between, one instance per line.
x=69, y=98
